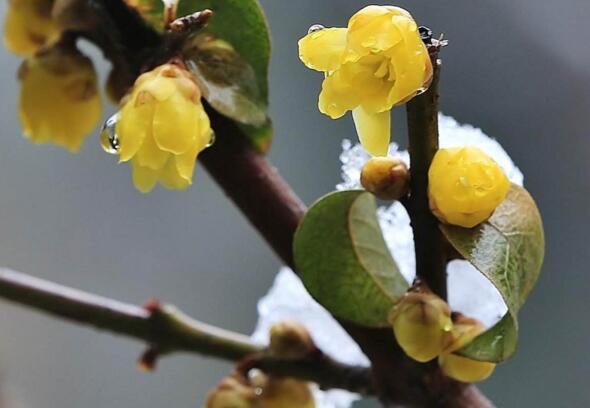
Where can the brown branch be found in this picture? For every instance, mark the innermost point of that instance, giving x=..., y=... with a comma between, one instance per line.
x=422, y=112
x=167, y=330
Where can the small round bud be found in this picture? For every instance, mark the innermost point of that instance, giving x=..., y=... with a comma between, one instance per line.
x=465, y=186
x=460, y=368
x=465, y=369
x=422, y=325
x=386, y=177
x=232, y=392
x=290, y=340
x=286, y=393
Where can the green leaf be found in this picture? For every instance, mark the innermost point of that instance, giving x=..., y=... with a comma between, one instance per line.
x=226, y=81
x=242, y=24
x=343, y=261
x=507, y=249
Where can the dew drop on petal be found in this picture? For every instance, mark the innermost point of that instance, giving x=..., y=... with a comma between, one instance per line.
x=108, y=136
x=314, y=28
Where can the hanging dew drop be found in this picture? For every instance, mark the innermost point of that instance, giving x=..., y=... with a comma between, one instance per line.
x=108, y=136
x=315, y=28
x=211, y=141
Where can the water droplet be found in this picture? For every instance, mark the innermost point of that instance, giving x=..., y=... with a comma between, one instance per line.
x=314, y=28
x=108, y=136
x=211, y=141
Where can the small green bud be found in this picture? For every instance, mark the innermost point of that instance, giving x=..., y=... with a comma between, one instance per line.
x=386, y=177
x=422, y=325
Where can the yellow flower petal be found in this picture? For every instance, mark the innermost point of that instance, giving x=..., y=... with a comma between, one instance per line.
x=150, y=155
x=175, y=120
x=373, y=130
x=144, y=179
x=132, y=131
x=337, y=96
x=160, y=88
x=465, y=369
x=411, y=64
x=323, y=50
x=171, y=179
x=371, y=31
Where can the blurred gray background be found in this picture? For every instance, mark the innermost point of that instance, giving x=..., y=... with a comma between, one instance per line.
x=517, y=68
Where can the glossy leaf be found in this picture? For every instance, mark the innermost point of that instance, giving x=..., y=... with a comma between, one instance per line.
x=508, y=249
x=226, y=81
x=343, y=261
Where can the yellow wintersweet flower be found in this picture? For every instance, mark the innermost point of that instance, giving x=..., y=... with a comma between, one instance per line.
x=422, y=325
x=162, y=127
x=462, y=368
x=465, y=186
x=59, y=101
x=378, y=62
x=29, y=26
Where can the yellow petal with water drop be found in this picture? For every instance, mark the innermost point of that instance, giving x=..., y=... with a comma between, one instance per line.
x=132, y=132
x=323, y=50
x=337, y=96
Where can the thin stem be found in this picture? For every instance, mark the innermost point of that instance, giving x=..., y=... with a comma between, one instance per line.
x=167, y=330
x=422, y=114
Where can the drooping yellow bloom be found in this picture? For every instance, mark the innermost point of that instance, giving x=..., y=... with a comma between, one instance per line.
x=465, y=186
x=59, y=101
x=232, y=392
x=286, y=393
x=29, y=26
x=378, y=62
x=162, y=127
x=462, y=368
x=422, y=325
x=260, y=391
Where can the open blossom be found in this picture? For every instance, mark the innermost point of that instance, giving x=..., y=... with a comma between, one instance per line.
x=59, y=100
x=465, y=186
x=378, y=62
x=162, y=127
x=29, y=26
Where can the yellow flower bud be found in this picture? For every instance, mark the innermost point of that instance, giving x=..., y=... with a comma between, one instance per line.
x=232, y=392
x=386, y=177
x=162, y=127
x=462, y=368
x=422, y=325
x=465, y=369
x=29, y=26
x=378, y=62
x=465, y=186
x=290, y=340
x=286, y=393
x=59, y=101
